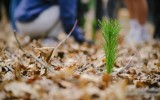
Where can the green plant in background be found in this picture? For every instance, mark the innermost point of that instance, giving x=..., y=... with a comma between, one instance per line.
x=110, y=30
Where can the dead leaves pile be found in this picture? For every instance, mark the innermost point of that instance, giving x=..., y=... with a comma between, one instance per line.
x=79, y=72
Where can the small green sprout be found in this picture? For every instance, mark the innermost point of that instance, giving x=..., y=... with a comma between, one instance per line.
x=110, y=30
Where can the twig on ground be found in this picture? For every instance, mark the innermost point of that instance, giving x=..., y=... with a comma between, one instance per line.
x=32, y=55
x=54, y=50
x=44, y=48
x=150, y=92
x=98, y=59
x=19, y=45
x=126, y=67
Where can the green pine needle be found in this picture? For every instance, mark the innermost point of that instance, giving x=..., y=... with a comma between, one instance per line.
x=110, y=30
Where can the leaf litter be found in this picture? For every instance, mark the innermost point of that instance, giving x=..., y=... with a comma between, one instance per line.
x=79, y=71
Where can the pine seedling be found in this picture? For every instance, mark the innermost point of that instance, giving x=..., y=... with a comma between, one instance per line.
x=110, y=30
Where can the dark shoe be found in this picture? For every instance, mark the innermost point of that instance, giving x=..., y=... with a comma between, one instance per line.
x=90, y=43
x=79, y=38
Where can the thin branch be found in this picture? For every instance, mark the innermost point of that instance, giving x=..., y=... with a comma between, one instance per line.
x=42, y=48
x=126, y=67
x=98, y=59
x=150, y=92
x=19, y=45
x=54, y=50
x=43, y=63
x=32, y=55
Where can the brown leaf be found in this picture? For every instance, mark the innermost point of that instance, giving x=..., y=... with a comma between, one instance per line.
x=106, y=78
x=139, y=84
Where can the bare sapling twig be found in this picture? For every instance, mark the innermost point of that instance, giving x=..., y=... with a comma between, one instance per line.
x=32, y=55
x=54, y=49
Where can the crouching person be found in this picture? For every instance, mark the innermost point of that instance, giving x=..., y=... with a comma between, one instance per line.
x=39, y=18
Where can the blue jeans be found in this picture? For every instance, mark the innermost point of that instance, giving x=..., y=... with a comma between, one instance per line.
x=13, y=6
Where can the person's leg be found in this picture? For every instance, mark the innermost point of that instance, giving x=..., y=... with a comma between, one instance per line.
x=0, y=10
x=150, y=10
x=134, y=29
x=138, y=13
x=98, y=13
x=6, y=6
x=14, y=4
x=82, y=8
x=156, y=8
x=141, y=10
x=138, y=10
x=112, y=8
x=133, y=15
x=41, y=25
x=130, y=7
x=99, y=9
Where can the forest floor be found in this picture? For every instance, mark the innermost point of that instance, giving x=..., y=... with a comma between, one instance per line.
x=77, y=72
